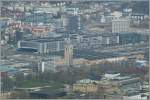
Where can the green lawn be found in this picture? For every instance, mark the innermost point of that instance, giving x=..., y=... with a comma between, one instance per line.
x=30, y=83
x=33, y=83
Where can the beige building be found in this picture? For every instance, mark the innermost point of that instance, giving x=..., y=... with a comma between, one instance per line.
x=68, y=53
x=86, y=88
x=96, y=87
x=120, y=25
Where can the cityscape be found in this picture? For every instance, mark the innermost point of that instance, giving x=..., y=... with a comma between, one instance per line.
x=67, y=49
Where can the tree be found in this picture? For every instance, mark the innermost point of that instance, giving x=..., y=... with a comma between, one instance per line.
x=19, y=79
x=20, y=94
x=7, y=84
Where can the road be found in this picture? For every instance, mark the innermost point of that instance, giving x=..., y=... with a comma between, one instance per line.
x=33, y=88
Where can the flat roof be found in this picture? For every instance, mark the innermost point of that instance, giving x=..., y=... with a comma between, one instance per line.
x=50, y=39
x=5, y=68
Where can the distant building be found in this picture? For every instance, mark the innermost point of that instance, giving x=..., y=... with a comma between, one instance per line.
x=138, y=16
x=3, y=74
x=40, y=31
x=18, y=35
x=91, y=86
x=131, y=38
x=68, y=53
x=64, y=21
x=44, y=66
x=120, y=25
x=116, y=14
x=103, y=20
x=74, y=23
x=110, y=39
x=86, y=88
x=44, y=45
x=97, y=40
x=128, y=85
x=8, y=71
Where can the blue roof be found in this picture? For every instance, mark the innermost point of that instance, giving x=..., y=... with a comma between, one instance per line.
x=9, y=69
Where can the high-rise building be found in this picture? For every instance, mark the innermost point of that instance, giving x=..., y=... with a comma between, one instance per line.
x=74, y=23
x=64, y=21
x=68, y=53
x=120, y=25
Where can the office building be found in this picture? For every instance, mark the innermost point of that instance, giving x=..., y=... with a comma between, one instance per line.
x=96, y=40
x=74, y=23
x=44, y=45
x=132, y=38
x=120, y=25
x=45, y=66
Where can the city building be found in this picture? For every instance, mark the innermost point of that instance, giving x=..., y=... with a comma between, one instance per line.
x=129, y=85
x=8, y=71
x=120, y=25
x=43, y=45
x=76, y=49
x=64, y=22
x=131, y=38
x=116, y=14
x=138, y=16
x=92, y=86
x=40, y=31
x=85, y=86
x=50, y=65
x=74, y=23
x=68, y=53
x=97, y=40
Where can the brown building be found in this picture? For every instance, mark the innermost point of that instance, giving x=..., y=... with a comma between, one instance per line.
x=40, y=31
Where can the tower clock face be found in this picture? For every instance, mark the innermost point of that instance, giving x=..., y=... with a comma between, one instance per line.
x=71, y=49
